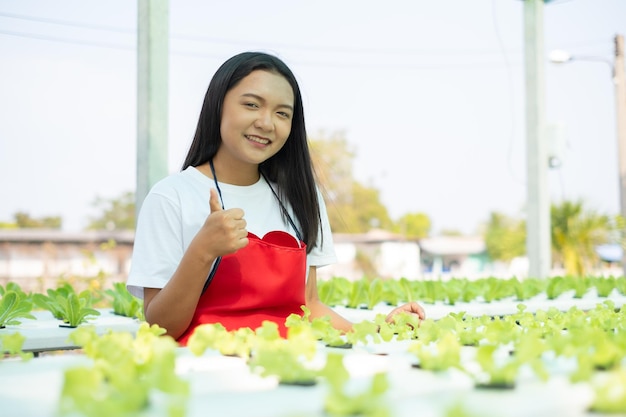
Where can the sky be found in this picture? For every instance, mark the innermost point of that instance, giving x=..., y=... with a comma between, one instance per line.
x=429, y=94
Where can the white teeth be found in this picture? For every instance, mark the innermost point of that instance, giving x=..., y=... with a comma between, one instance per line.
x=258, y=140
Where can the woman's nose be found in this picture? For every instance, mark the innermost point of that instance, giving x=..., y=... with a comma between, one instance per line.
x=264, y=120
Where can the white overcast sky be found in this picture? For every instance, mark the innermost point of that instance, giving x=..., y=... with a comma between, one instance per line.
x=430, y=94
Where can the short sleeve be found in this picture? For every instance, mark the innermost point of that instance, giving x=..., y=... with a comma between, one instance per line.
x=158, y=246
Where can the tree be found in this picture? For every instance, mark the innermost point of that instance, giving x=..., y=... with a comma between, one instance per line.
x=24, y=221
x=505, y=237
x=576, y=232
x=413, y=225
x=116, y=213
x=352, y=207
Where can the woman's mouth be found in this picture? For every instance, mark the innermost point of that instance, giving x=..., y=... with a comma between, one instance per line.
x=258, y=139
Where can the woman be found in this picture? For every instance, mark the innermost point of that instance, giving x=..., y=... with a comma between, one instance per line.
x=237, y=235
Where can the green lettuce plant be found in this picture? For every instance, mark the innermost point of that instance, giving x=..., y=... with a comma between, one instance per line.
x=287, y=359
x=494, y=374
x=358, y=295
x=268, y=354
x=12, y=344
x=375, y=293
x=124, y=303
x=65, y=304
x=610, y=393
x=438, y=356
x=341, y=402
x=320, y=326
x=604, y=286
x=215, y=336
x=364, y=332
x=13, y=307
x=556, y=286
x=127, y=372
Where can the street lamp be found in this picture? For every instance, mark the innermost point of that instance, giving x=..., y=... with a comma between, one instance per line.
x=619, y=80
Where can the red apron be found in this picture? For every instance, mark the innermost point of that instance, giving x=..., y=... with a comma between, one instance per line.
x=263, y=281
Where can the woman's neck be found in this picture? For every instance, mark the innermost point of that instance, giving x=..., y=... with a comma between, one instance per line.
x=234, y=174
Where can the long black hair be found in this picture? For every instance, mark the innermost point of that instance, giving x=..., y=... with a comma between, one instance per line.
x=291, y=167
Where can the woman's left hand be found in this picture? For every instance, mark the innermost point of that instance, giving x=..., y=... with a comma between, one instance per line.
x=411, y=308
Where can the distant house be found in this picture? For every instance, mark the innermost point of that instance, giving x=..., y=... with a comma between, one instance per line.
x=610, y=253
x=458, y=256
x=38, y=257
x=377, y=253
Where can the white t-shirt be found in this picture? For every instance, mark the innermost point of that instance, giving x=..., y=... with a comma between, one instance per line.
x=177, y=207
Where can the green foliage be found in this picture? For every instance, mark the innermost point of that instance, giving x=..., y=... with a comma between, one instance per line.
x=340, y=402
x=368, y=293
x=288, y=359
x=115, y=213
x=335, y=291
x=496, y=373
x=576, y=231
x=505, y=238
x=413, y=226
x=14, y=306
x=359, y=294
x=375, y=293
x=215, y=336
x=440, y=355
x=12, y=344
x=126, y=371
x=65, y=304
x=363, y=332
x=610, y=393
x=124, y=303
x=352, y=207
x=25, y=221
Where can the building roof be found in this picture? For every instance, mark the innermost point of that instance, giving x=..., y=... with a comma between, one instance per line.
x=453, y=245
x=373, y=236
x=60, y=236
x=610, y=252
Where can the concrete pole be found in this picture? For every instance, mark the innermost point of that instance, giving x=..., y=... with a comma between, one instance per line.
x=619, y=79
x=152, y=95
x=538, y=240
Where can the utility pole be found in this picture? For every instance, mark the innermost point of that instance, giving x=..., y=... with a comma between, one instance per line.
x=538, y=241
x=152, y=95
x=619, y=79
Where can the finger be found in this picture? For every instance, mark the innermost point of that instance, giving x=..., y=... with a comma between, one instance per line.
x=237, y=214
x=419, y=310
x=214, y=201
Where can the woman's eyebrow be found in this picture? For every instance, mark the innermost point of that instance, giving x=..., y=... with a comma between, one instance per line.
x=258, y=97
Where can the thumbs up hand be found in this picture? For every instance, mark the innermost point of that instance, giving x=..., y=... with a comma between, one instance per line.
x=223, y=231
x=214, y=201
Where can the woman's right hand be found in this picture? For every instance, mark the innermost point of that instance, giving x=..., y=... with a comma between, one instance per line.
x=224, y=231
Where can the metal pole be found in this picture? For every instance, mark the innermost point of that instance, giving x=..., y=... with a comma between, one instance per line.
x=152, y=95
x=538, y=241
x=619, y=79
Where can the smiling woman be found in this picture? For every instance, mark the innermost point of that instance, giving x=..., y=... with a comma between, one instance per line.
x=236, y=237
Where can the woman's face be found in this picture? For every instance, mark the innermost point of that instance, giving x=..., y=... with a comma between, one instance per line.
x=256, y=118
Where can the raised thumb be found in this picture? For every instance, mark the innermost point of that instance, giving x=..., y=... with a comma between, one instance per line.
x=214, y=201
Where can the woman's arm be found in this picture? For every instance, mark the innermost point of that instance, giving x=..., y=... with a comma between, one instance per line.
x=173, y=306
x=319, y=309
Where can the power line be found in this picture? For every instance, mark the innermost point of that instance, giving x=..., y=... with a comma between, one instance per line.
x=68, y=23
x=204, y=38
x=213, y=56
x=66, y=40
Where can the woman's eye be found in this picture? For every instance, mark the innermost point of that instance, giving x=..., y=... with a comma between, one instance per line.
x=284, y=114
x=253, y=105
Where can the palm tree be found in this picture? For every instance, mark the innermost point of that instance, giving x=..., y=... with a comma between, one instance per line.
x=575, y=234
